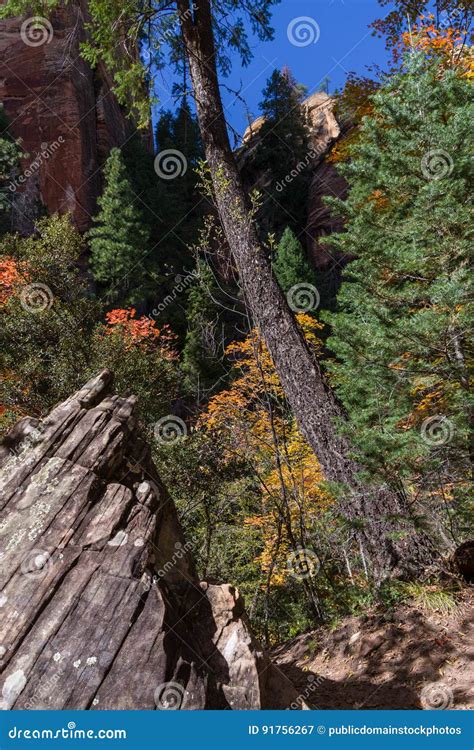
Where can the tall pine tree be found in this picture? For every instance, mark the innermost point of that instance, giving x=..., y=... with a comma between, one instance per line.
x=180, y=209
x=403, y=332
x=281, y=146
x=290, y=265
x=118, y=241
x=9, y=158
x=179, y=132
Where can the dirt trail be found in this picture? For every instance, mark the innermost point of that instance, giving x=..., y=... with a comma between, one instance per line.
x=405, y=659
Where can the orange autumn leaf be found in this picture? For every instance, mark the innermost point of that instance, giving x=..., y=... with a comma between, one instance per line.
x=247, y=427
x=448, y=43
x=141, y=331
x=12, y=276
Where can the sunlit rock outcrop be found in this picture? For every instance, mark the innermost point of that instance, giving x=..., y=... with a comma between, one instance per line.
x=100, y=604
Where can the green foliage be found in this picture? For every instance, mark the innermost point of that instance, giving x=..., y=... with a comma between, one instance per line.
x=144, y=373
x=200, y=355
x=280, y=96
x=180, y=209
x=157, y=26
x=138, y=159
x=281, y=146
x=179, y=198
x=44, y=341
x=9, y=159
x=51, y=349
x=403, y=332
x=431, y=598
x=290, y=265
x=171, y=211
x=118, y=241
x=214, y=310
x=181, y=131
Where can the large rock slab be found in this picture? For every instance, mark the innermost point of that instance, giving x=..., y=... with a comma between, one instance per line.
x=100, y=604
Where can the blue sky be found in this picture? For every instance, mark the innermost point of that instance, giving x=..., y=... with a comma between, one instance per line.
x=344, y=43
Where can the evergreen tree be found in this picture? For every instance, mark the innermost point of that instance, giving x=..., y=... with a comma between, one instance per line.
x=282, y=146
x=9, y=158
x=180, y=133
x=202, y=352
x=119, y=240
x=138, y=159
x=180, y=209
x=290, y=265
x=402, y=335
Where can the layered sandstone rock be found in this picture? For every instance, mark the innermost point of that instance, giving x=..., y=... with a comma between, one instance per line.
x=318, y=108
x=100, y=604
x=63, y=112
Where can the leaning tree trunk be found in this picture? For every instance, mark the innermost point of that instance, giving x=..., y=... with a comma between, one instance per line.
x=309, y=396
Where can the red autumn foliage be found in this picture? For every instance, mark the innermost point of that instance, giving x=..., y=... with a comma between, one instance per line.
x=11, y=276
x=140, y=331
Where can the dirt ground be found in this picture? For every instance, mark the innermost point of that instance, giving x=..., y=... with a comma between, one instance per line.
x=407, y=659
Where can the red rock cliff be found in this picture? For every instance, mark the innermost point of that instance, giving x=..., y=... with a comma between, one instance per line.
x=63, y=111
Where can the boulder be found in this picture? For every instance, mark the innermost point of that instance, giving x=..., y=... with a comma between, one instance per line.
x=101, y=606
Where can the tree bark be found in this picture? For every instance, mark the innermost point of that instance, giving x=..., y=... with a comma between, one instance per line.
x=311, y=399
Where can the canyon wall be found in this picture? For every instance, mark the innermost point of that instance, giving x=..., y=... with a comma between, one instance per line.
x=63, y=111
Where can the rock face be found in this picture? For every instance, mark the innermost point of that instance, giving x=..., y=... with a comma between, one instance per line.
x=63, y=111
x=325, y=180
x=319, y=110
x=321, y=222
x=99, y=600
